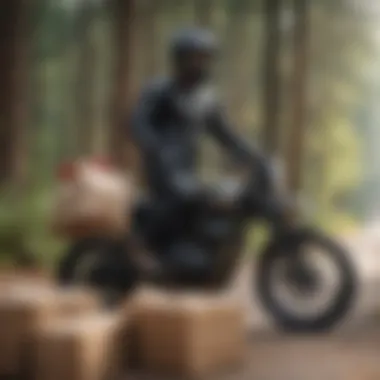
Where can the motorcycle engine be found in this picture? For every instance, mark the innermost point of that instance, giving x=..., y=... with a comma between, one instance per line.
x=189, y=262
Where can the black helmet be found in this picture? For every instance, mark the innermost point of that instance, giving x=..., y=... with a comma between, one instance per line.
x=193, y=40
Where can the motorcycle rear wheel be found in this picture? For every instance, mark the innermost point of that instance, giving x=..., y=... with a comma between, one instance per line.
x=101, y=264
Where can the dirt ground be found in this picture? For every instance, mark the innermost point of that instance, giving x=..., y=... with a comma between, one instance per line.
x=351, y=352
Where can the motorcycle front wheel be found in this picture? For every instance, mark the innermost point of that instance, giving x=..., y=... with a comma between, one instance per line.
x=286, y=263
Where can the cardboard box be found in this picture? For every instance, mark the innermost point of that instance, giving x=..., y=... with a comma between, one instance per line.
x=76, y=301
x=80, y=348
x=12, y=277
x=93, y=200
x=189, y=334
x=26, y=307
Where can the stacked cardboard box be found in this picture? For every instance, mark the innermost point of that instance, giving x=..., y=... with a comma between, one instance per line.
x=188, y=334
x=53, y=334
x=79, y=348
x=26, y=307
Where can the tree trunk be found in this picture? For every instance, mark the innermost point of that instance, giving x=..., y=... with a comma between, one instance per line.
x=297, y=128
x=84, y=105
x=149, y=43
x=271, y=99
x=121, y=147
x=203, y=12
x=237, y=69
x=239, y=66
x=14, y=89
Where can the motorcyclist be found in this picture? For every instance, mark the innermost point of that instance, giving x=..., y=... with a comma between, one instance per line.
x=171, y=116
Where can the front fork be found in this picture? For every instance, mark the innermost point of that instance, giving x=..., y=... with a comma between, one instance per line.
x=287, y=231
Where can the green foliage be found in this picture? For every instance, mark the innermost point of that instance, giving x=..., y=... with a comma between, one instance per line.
x=342, y=54
x=24, y=226
x=338, y=155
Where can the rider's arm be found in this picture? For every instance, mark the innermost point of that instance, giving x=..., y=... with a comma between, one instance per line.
x=220, y=128
x=142, y=128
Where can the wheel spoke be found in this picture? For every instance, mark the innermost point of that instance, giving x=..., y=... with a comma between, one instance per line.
x=293, y=298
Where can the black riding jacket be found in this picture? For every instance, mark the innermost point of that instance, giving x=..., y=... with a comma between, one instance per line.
x=167, y=125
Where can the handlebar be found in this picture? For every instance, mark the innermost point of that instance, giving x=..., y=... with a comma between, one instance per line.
x=256, y=196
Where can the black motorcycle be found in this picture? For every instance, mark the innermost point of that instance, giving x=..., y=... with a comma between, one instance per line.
x=204, y=248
